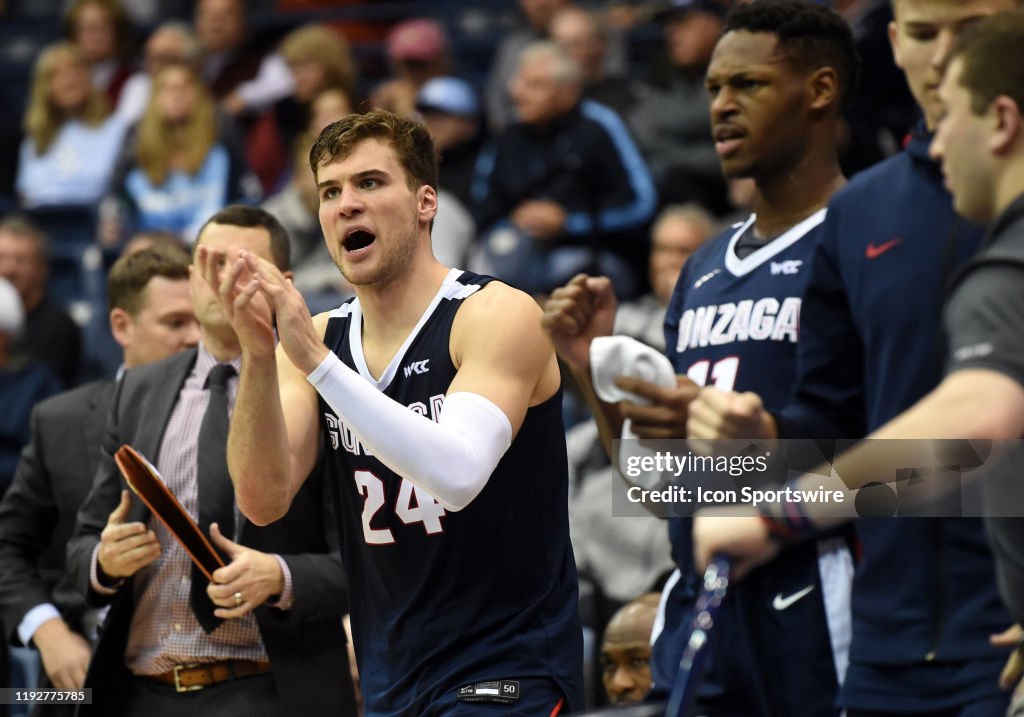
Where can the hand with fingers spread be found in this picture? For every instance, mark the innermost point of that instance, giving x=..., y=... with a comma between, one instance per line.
x=667, y=413
x=239, y=297
x=578, y=313
x=246, y=582
x=126, y=548
x=719, y=414
x=299, y=338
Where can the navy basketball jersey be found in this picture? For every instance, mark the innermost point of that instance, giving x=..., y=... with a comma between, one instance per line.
x=732, y=323
x=440, y=600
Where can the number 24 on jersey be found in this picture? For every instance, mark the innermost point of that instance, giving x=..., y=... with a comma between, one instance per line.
x=413, y=505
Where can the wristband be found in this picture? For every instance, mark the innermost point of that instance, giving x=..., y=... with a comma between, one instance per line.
x=786, y=521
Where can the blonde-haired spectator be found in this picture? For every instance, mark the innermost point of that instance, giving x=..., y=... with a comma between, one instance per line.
x=183, y=164
x=319, y=57
x=71, y=141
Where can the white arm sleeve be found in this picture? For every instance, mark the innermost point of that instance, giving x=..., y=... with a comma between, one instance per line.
x=451, y=459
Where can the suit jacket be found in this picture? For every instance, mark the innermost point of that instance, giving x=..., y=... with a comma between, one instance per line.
x=306, y=644
x=37, y=514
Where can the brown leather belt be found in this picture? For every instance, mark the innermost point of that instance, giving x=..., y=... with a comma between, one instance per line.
x=196, y=676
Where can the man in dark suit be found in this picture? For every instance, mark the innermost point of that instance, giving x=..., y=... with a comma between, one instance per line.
x=265, y=636
x=151, y=318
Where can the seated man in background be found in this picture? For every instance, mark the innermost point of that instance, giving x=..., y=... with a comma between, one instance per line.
x=566, y=189
x=626, y=650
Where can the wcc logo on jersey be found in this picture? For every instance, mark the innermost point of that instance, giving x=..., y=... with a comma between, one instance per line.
x=766, y=319
x=788, y=268
x=417, y=368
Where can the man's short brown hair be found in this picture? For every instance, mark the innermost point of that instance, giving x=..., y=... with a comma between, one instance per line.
x=241, y=215
x=130, y=275
x=990, y=52
x=21, y=225
x=410, y=140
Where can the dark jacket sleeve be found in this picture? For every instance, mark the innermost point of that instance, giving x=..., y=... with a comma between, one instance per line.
x=104, y=495
x=318, y=577
x=28, y=514
x=491, y=200
x=319, y=584
x=615, y=177
x=828, y=397
x=1006, y=536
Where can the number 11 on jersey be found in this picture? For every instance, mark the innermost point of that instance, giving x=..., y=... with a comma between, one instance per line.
x=722, y=373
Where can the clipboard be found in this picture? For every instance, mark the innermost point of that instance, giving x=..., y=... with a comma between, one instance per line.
x=147, y=483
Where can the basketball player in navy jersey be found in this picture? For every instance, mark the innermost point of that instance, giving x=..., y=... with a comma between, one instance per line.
x=438, y=396
x=777, y=80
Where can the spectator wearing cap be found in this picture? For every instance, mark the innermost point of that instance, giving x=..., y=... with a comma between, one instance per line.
x=671, y=118
x=23, y=383
x=451, y=110
x=418, y=51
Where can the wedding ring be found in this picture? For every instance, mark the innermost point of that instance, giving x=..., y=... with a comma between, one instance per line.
x=238, y=599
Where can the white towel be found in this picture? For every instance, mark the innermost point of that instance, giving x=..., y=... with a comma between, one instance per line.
x=614, y=356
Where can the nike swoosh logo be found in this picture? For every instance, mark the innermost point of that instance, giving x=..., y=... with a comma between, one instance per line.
x=781, y=603
x=873, y=252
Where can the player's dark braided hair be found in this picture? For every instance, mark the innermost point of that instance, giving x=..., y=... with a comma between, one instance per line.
x=812, y=35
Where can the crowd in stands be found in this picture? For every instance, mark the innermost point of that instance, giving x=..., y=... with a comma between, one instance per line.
x=575, y=137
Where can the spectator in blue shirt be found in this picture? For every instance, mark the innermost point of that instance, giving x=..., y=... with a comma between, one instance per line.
x=71, y=140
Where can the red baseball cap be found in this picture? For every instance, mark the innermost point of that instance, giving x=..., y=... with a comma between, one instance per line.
x=420, y=40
